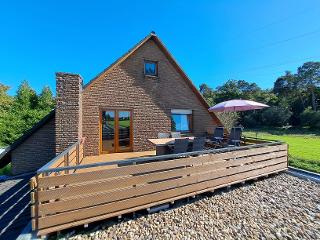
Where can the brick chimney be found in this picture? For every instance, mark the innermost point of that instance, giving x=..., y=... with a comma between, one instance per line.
x=68, y=119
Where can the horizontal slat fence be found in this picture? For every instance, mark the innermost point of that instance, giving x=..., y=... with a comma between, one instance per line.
x=63, y=201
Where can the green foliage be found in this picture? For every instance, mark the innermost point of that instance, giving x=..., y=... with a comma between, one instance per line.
x=208, y=94
x=5, y=99
x=275, y=116
x=21, y=112
x=26, y=97
x=6, y=170
x=292, y=94
x=309, y=80
x=252, y=119
x=310, y=118
x=237, y=89
x=229, y=119
x=45, y=100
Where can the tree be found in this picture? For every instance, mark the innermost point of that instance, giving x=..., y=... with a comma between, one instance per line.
x=21, y=112
x=228, y=119
x=290, y=95
x=275, y=116
x=5, y=99
x=310, y=118
x=208, y=94
x=309, y=80
x=45, y=100
x=26, y=97
x=284, y=85
x=6, y=102
x=236, y=89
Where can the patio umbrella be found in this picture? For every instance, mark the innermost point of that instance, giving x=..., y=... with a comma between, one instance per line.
x=237, y=105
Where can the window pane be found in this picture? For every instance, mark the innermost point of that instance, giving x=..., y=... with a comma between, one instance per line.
x=108, y=122
x=180, y=123
x=150, y=68
x=124, y=130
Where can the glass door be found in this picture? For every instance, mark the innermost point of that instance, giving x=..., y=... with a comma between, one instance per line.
x=116, y=131
x=107, y=131
x=124, y=131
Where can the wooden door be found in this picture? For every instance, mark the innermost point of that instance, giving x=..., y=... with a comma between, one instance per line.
x=116, y=131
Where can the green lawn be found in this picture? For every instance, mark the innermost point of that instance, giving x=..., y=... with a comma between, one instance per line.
x=304, y=145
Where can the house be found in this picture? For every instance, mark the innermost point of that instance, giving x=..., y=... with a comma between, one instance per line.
x=141, y=94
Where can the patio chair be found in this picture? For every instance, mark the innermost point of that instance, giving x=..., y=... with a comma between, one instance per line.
x=217, y=136
x=163, y=135
x=198, y=144
x=235, y=136
x=180, y=146
x=176, y=134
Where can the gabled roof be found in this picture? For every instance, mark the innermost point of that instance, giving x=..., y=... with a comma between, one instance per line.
x=5, y=155
x=154, y=37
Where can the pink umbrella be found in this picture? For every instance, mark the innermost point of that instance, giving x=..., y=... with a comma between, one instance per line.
x=237, y=105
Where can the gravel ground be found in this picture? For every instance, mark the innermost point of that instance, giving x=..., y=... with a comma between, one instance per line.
x=279, y=207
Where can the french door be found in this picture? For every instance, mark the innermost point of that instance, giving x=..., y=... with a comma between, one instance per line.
x=116, y=131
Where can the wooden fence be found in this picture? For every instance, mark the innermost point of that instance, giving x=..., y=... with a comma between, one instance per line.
x=67, y=200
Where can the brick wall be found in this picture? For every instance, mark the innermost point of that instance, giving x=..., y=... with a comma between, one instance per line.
x=150, y=99
x=35, y=151
x=68, y=110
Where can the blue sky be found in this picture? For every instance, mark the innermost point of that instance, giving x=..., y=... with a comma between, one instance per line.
x=212, y=40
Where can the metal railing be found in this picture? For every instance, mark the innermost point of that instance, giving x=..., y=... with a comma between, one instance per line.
x=69, y=158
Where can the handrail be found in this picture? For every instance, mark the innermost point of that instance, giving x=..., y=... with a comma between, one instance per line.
x=157, y=158
x=59, y=156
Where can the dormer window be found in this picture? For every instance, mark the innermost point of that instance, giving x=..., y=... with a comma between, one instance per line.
x=150, y=68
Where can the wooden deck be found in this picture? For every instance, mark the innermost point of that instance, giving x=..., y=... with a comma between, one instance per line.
x=117, y=156
x=80, y=194
x=110, y=158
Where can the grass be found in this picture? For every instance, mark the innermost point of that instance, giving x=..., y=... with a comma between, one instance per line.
x=304, y=145
x=6, y=170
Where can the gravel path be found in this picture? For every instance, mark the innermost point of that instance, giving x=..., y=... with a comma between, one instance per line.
x=279, y=207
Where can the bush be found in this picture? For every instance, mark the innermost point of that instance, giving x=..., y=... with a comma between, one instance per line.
x=251, y=119
x=275, y=116
x=228, y=119
x=310, y=118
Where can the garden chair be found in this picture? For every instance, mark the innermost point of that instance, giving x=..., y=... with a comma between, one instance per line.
x=180, y=146
x=235, y=136
x=198, y=144
x=217, y=136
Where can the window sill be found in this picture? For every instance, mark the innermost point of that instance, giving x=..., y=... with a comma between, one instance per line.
x=184, y=134
x=151, y=76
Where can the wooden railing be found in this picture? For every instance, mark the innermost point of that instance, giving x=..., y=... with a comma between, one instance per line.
x=80, y=197
x=72, y=156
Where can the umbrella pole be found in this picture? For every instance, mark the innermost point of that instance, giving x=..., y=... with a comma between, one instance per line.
x=256, y=129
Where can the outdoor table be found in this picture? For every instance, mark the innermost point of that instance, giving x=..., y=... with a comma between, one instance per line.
x=162, y=144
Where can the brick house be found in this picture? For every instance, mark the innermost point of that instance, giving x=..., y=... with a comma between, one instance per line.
x=143, y=93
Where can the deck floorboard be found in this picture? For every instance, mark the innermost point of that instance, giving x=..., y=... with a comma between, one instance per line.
x=117, y=156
